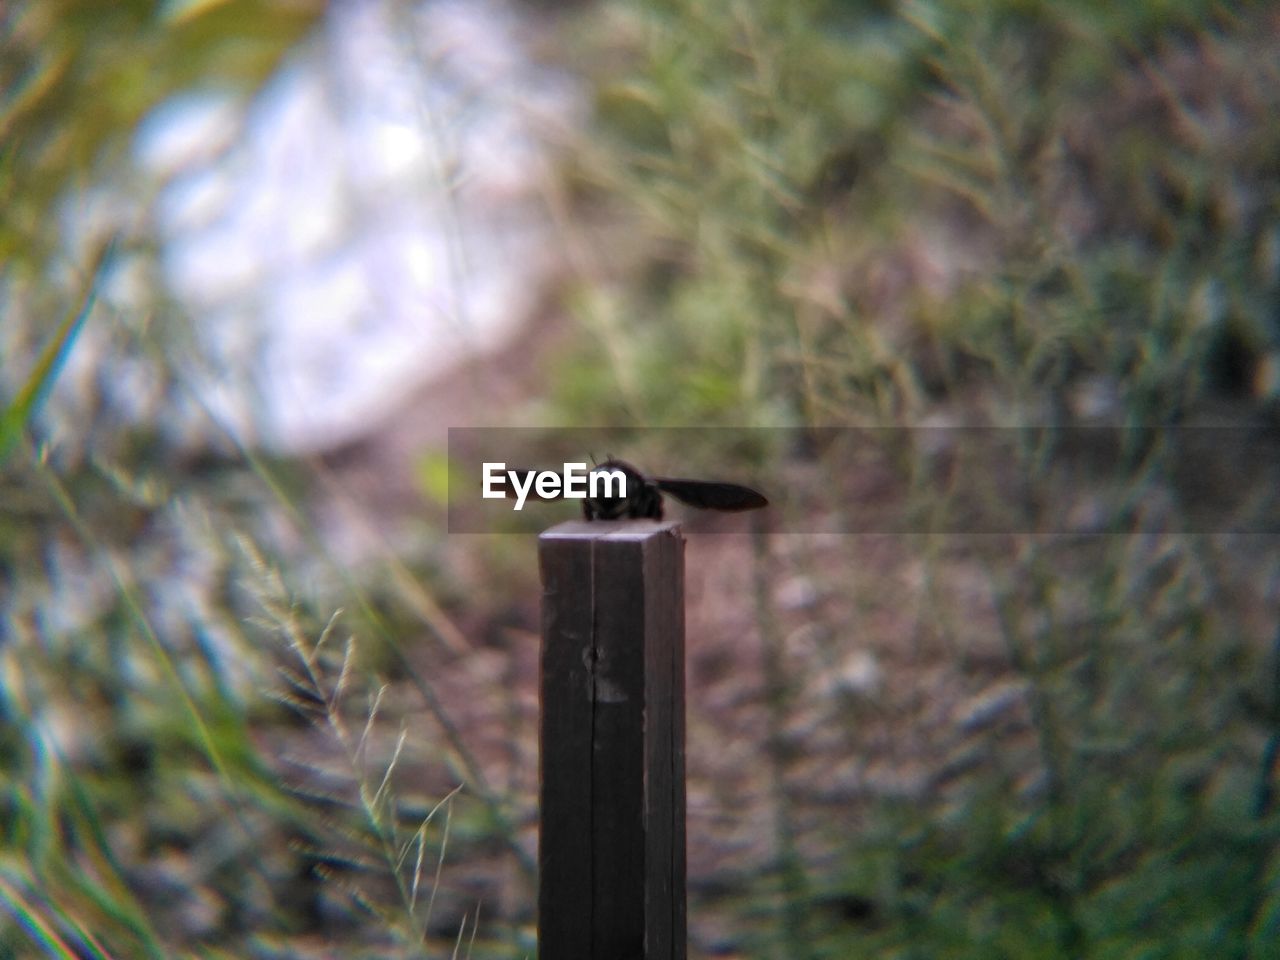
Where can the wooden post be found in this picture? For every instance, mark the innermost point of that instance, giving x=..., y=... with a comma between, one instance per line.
x=611, y=849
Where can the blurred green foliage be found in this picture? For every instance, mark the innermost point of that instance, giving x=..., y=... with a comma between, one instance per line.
x=122, y=705
x=867, y=213
x=76, y=76
x=849, y=212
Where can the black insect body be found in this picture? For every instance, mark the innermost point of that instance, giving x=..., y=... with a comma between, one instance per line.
x=641, y=497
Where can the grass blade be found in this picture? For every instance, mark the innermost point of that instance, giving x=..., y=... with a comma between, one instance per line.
x=16, y=415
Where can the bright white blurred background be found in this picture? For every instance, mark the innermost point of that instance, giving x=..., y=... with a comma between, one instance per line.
x=369, y=219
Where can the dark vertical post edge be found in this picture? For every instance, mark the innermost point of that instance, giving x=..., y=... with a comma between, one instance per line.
x=611, y=849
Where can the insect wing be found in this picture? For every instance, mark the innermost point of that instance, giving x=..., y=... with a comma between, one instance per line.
x=712, y=495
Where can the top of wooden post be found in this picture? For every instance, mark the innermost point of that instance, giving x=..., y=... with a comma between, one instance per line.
x=609, y=529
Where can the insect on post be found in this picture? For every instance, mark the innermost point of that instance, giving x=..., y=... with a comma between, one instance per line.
x=611, y=849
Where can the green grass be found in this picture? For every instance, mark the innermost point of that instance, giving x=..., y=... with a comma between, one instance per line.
x=843, y=214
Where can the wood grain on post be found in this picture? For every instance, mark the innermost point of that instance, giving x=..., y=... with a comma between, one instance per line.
x=611, y=850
